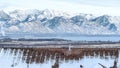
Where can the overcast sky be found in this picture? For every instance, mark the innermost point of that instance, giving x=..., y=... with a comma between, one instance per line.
x=110, y=7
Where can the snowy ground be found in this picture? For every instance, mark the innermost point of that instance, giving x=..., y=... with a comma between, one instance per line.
x=7, y=60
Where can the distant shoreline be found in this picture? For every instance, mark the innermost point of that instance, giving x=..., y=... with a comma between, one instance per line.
x=55, y=43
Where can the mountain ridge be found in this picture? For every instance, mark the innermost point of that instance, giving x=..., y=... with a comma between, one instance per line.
x=50, y=21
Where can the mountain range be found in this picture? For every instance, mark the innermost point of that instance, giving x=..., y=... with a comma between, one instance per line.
x=51, y=21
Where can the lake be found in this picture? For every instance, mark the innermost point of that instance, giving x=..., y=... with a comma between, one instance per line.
x=74, y=37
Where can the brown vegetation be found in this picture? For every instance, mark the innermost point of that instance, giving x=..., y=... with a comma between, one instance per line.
x=40, y=55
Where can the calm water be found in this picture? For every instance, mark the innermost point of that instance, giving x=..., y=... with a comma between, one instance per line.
x=74, y=37
x=63, y=58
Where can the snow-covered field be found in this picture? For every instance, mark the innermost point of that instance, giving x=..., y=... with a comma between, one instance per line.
x=9, y=60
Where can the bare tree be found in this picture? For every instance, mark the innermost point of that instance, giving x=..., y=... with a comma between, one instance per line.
x=102, y=65
x=115, y=64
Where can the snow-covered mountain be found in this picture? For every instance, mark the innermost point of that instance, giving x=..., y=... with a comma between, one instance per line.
x=51, y=21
